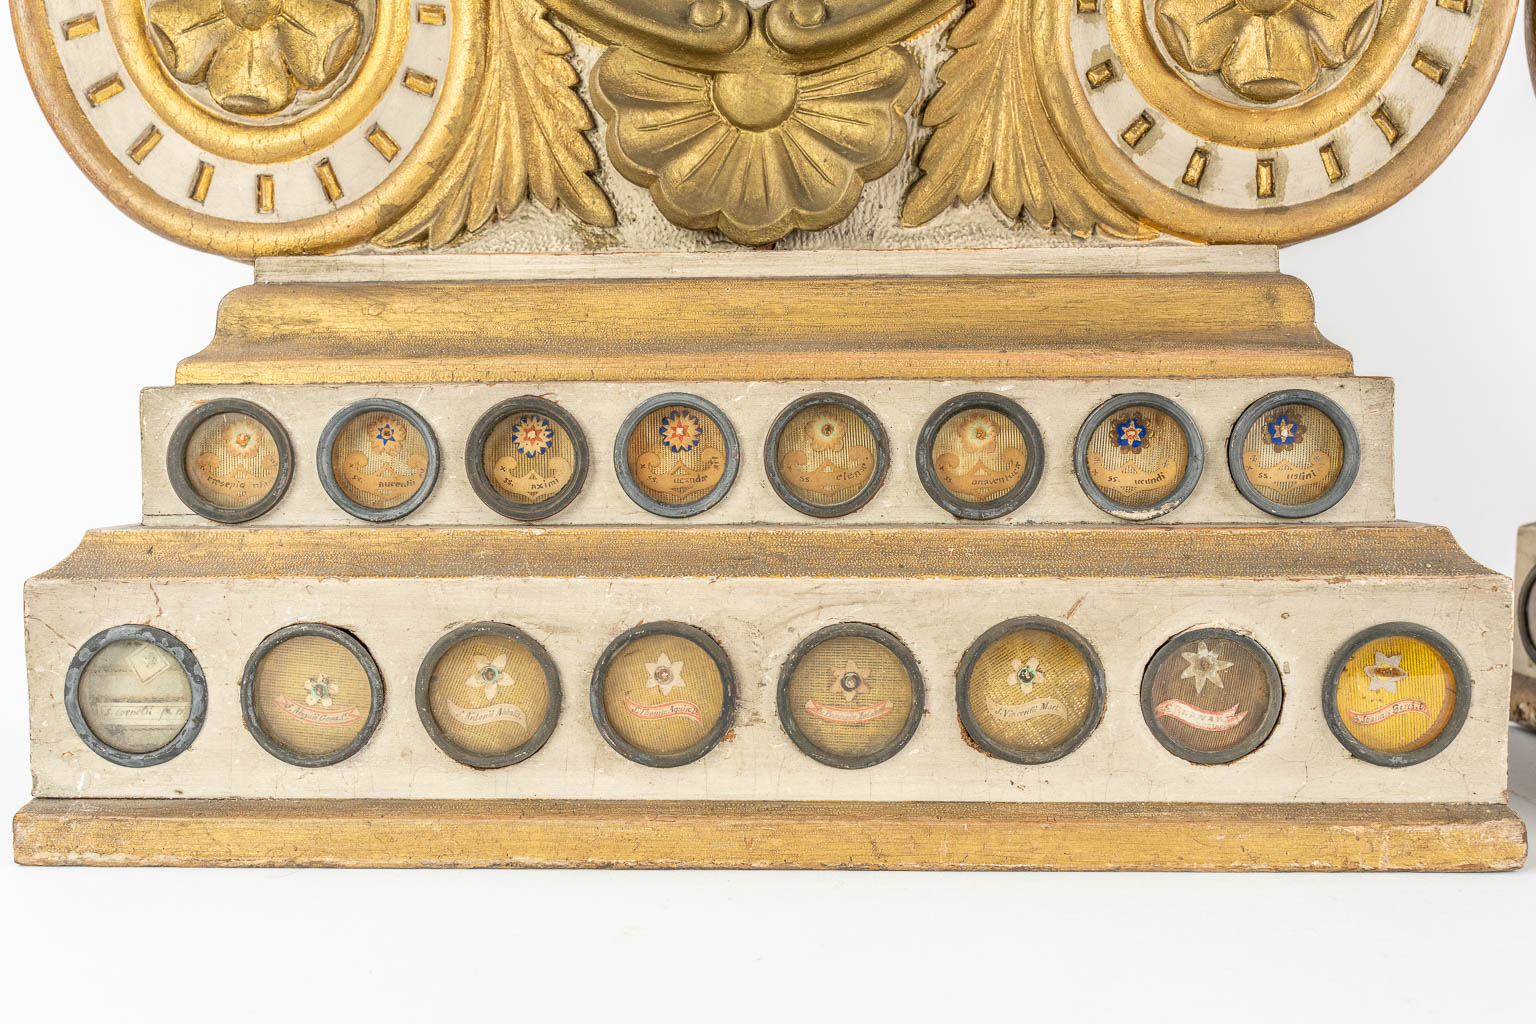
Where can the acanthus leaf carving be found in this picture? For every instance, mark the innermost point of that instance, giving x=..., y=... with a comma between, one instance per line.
x=992, y=134
x=524, y=138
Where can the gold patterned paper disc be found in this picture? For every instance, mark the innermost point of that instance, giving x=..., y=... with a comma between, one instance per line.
x=851, y=697
x=662, y=694
x=232, y=461
x=529, y=457
x=1031, y=691
x=1293, y=454
x=1137, y=456
x=979, y=455
x=488, y=694
x=311, y=696
x=380, y=459
x=1211, y=695
x=134, y=696
x=677, y=454
x=1396, y=694
x=826, y=454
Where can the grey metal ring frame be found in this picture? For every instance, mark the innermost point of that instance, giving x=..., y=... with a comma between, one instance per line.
x=621, y=455
x=355, y=647
x=1523, y=615
x=776, y=477
x=176, y=461
x=1192, y=470
x=1347, y=470
x=1255, y=739
x=727, y=683
x=1018, y=494
x=524, y=750
x=183, y=657
x=328, y=471
x=973, y=654
x=836, y=632
x=474, y=458
x=1458, y=717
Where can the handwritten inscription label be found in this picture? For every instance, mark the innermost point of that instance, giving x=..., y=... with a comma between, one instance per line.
x=980, y=483
x=149, y=713
x=489, y=715
x=1129, y=477
x=318, y=716
x=666, y=709
x=1406, y=706
x=1286, y=475
x=681, y=483
x=529, y=484
x=386, y=484
x=1024, y=712
x=828, y=478
x=1200, y=718
x=848, y=716
x=235, y=487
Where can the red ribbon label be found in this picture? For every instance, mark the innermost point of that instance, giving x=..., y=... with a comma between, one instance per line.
x=1199, y=718
x=1406, y=706
x=848, y=716
x=666, y=709
x=317, y=716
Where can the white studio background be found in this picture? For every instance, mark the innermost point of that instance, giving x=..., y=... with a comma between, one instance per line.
x=1436, y=292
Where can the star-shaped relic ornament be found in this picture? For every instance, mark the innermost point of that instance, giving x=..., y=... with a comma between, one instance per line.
x=851, y=681
x=1025, y=674
x=490, y=674
x=1203, y=667
x=1386, y=673
x=664, y=674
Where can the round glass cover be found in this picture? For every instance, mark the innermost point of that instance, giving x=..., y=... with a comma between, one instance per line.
x=1211, y=696
x=381, y=459
x=827, y=455
x=232, y=461
x=979, y=456
x=1030, y=690
x=312, y=695
x=1294, y=454
x=1137, y=457
x=135, y=695
x=663, y=694
x=850, y=696
x=489, y=695
x=1396, y=694
x=528, y=458
x=677, y=455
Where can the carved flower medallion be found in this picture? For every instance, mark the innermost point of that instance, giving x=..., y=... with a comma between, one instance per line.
x=1266, y=51
x=755, y=153
x=255, y=57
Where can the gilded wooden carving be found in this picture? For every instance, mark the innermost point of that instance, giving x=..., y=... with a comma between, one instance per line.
x=259, y=127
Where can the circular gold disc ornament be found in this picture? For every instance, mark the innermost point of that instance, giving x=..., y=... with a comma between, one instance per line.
x=1263, y=122
x=229, y=461
x=488, y=695
x=980, y=456
x=1139, y=456
x=254, y=128
x=850, y=695
x=1396, y=694
x=311, y=695
x=1294, y=454
x=663, y=694
x=1030, y=690
x=676, y=455
x=1211, y=696
x=378, y=460
x=826, y=455
x=527, y=458
x=135, y=695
